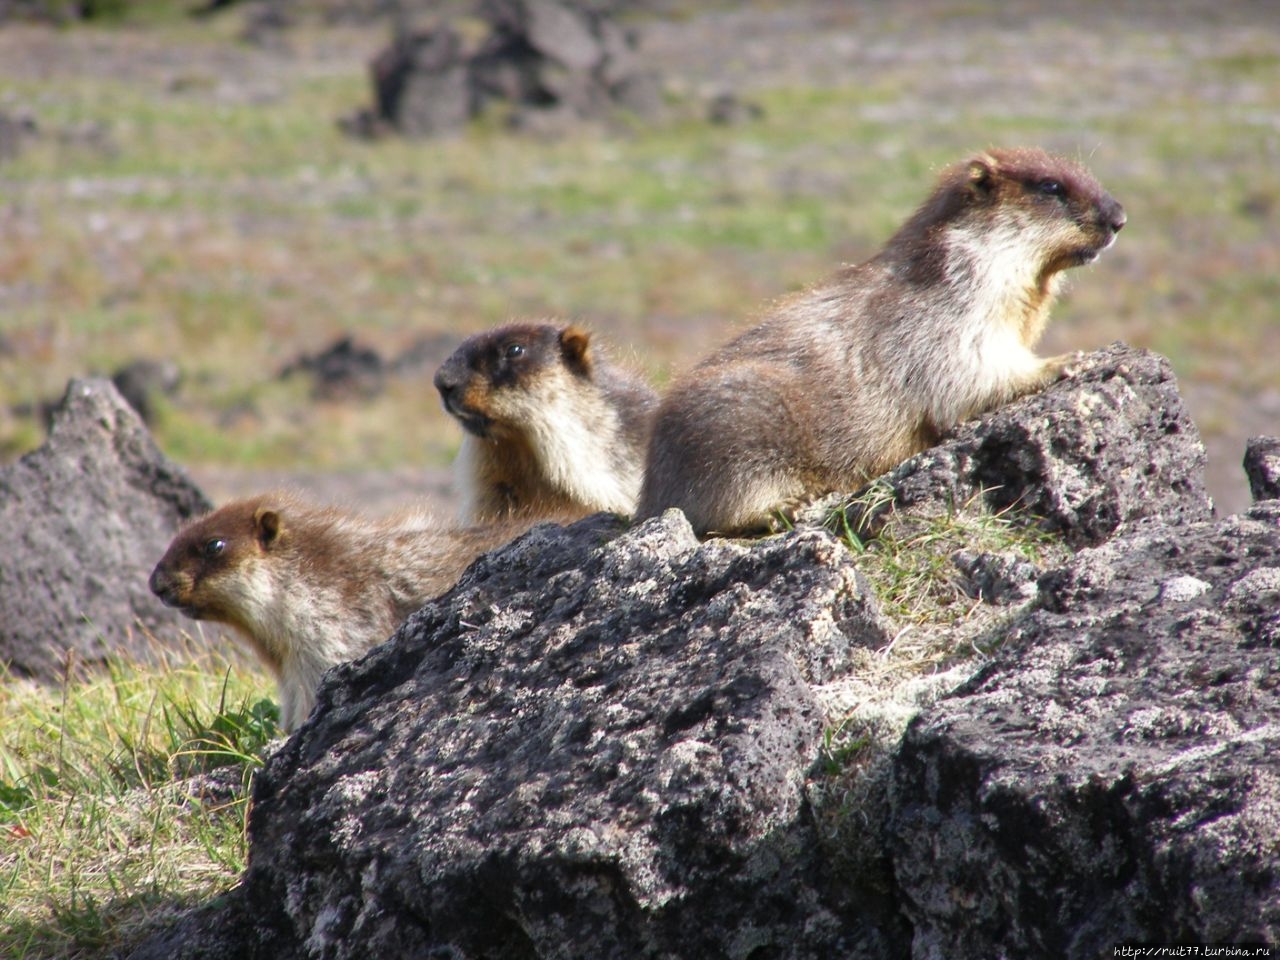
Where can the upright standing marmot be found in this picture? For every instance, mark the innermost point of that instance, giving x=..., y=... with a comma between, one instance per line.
x=311, y=587
x=551, y=425
x=849, y=378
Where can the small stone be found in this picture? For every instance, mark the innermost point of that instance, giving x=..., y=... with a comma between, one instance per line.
x=1262, y=465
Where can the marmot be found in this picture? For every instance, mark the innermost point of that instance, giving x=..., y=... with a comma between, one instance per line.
x=551, y=425
x=311, y=587
x=847, y=379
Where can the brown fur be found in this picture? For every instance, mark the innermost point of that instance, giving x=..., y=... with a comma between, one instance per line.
x=310, y=587
x=851, y=377
x=551, y=426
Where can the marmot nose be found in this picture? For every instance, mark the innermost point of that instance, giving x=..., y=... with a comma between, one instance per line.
x=1113, y=213
x=160, y=583
x=445, y=382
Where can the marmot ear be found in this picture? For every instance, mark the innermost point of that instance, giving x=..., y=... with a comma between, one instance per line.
x=575, y=347
x=267, y=523
x=982, y=171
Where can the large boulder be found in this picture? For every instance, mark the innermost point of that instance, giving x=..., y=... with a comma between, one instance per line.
x=592, y=747
x=1114, y=775
x=542, y=62
x=612, y=742
x=83, y=519
x=421, y=83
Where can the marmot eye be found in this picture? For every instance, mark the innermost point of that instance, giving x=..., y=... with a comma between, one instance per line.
x=214, y=547
x=1052, y=188
x=515, y=350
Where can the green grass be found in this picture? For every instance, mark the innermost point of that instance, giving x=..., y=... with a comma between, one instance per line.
x=908, y=557
x=939, y=630
x=105, y=829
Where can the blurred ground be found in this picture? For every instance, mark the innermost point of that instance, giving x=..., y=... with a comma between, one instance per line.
x=189, y=197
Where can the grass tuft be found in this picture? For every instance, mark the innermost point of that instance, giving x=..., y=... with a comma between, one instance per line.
x=123, y=799
x=909, y=557
x=940, y=636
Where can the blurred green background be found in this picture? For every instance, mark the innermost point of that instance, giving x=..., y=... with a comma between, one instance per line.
x=186, y=194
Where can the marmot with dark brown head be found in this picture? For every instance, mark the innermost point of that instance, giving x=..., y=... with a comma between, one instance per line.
x=849, y=378
x=310, y=587
x=551, y=425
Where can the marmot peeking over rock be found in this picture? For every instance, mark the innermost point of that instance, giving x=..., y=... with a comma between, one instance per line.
x=311, y=587
x=851, y=377
x=551, y=425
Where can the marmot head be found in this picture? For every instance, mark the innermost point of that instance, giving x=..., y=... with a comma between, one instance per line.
x=215, y=567
x=1045, y=189
x=494, y=381
x=1050, y=208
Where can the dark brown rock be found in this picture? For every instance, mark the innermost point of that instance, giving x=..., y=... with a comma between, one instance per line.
x=558, y=32
x=543, y=63
x=1262, y=465
x=15, y=130
x=143, y=382
x=342, y=371
x=83, y=520
x=595, y=746
x=728, y=108
x=421, y=83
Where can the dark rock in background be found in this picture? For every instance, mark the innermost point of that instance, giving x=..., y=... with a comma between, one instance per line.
x=14, y=130
x=542, y=61
x=83, y=520
x=342, y=371
x=139, y=382
x=142, y=382
x=421, y=84
x=728, y=108
x=1262, y=465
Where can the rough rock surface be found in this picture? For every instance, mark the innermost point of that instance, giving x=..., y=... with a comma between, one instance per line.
x=1114, y=775
x=1262, y=464
x=604, y=741
x=1110, y=446
x=616, y=762
x=83, y=520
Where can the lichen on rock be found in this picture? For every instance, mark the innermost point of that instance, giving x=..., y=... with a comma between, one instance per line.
x=615, y=741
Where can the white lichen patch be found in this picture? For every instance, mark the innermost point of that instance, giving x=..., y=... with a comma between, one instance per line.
x=1261, y=580
x=350, y=794
x=1182, y=589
